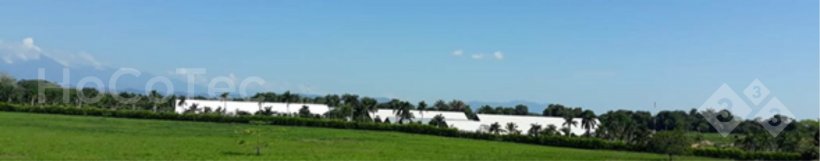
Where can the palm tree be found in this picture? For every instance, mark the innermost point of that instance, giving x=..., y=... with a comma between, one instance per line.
x=568, y=123
x=287, y=97
x=551, y=130
x=368, y=105
x=403, y=111
x=182, y=102
x=155, y=99
x=224, y=98
x=421, y=107
x=512, y=128
x=495, y=128
x=535, y=130
x=588, y=121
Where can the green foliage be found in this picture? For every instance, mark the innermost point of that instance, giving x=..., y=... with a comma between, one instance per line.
x=670, y=143
x=512, y=128
x=517, y=110
x=495, y=128
x=438, y=121
x=305, y=112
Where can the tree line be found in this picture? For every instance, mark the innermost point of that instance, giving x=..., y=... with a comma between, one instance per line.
x=640, y=128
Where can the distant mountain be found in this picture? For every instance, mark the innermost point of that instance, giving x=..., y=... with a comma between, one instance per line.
x=53, y=71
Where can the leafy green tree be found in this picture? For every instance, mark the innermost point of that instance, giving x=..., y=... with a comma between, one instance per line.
x=569, y=122
x=588, y=121
x=670, y=142
x=438, y=121
x=155, y=98
x=556, y=110
x=342, y=112
x=457, y=105
x=305, y=112
x=535, y=130
x=521, y=110
x=288, y=98
x=551, y=130
x=333, y=100
x=495, y=128
x=422, y=106
x=402, y=111
x=367, y=106
x=486, y=109
x=440, y=105
x=512, y=128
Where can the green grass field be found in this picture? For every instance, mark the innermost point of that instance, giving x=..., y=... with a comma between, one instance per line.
x=26, y=136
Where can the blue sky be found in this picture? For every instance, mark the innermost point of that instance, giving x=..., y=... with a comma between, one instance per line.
x=595, y=54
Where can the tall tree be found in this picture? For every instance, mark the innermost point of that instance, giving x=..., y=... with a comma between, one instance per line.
x=224, y=98
x=438, y=121
x=521, y=110
x=402, y=111
x=495, y=128
x=440, y=105
x=512, y=128
x=669, y=142
x=367, y=106
x=588, y=121
x=457, y=105
x=287, y=97
x=421, y=108
x=305, y=112
x=486, y=109
x=155, y=99
x=569, y=122
x=534, y=131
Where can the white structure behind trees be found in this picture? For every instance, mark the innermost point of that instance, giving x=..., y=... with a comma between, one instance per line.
x=232, y=107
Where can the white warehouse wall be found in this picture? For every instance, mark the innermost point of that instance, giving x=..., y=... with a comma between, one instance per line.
x=252, y=107
x=456, y=120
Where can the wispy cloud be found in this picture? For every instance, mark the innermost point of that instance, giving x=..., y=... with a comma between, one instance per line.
x=458, y=52
x=27, y=50
x=23, y=51
x=477, y=56
x=498, y=55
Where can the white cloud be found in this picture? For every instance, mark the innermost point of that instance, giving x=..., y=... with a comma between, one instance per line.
x=458, y=52
x=75, y=59
x=23, y=51
x=27, y=50
x=498, y=55
x=91, y=60
x=477, y=56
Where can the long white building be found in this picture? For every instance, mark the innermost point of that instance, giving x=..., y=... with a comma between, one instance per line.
x=251, y=107
x=423, y=116
x=456, y=120
x=525, y=122
x=459, y=120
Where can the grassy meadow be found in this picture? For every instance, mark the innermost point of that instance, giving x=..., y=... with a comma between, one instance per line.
x=25, y=136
